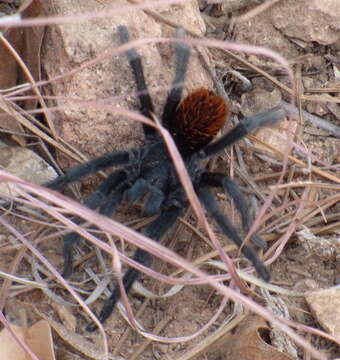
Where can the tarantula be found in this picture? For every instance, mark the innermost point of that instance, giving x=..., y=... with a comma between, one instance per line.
x=193, y=123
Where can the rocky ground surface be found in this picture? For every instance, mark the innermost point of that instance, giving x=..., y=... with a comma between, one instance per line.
x=95, y=80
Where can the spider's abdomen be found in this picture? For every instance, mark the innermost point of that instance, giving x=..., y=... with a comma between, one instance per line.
x=199, y=118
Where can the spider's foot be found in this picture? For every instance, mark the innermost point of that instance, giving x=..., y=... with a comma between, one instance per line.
x=262, y=271
x=106, y=310
x=91, y=327
x=103, y=315
x=68, y=264
x=67, y=271
x=260, y=268
x=258, y=241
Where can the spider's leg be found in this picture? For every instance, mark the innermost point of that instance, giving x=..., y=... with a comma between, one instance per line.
x=243, y=128
x=93, y=202
x=137, y=68
x=155, y=230
x=213, y=209
x=221, y=180
x=182, y=59
x=154, y=181
x=109, y=207
x=90, y=167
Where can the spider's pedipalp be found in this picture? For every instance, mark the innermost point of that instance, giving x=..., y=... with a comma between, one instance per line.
x=242, y=129
x=137, y=190
x=100, y=195
x=110, y=206
x=154, y=203
x=199, y=118
x=138, y=72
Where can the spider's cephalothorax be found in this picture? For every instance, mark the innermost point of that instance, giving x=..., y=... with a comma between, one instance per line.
x=193, y=123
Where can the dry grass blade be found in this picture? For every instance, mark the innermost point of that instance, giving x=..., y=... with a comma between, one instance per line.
x=304, y=184
x=19, y=280
x=296, y=213
x=315, y=120
x=312, y=168
x=161, y=325
x=211, y=339
x=32, y=81
x=78, y=342
x=21, y=238
x=256, y=11
x=34, y=129
x=74, y=18
x=149, y=245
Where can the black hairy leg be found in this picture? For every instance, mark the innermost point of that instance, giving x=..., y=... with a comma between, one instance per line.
x=155, y=230
x=90, y=167
x=96, y=199
x=148, y=170
x=233, y=190
x=213, y=209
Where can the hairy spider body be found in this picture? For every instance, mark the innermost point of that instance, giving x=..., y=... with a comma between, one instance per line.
x=193, y=123
x=198, y=119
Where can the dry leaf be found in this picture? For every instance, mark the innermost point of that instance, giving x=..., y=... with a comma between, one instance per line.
x=248, y=342
x=27, y=43
x=38, y=338
x=78, y=342
x=326, y=309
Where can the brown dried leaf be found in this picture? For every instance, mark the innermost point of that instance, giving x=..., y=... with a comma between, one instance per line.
x=248, y=342
x=38, y=338
x=326, y=309
x=27, y=43
x=77, y=341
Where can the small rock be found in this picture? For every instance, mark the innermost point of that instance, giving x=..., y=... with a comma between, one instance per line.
x=260, y=100
x=25, y=164
x=290, y=25
x=260, y=31
x=232, y=5
x=326, y=310
x=316, y=108
x=309, y=20
x=326, y=248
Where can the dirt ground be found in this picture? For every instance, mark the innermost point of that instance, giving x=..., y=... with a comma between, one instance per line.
x=309, y=260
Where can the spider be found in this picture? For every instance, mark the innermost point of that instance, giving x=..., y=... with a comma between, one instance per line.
x=148, y=170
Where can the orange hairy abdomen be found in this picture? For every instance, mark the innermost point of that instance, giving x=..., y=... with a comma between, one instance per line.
x=199, y=118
